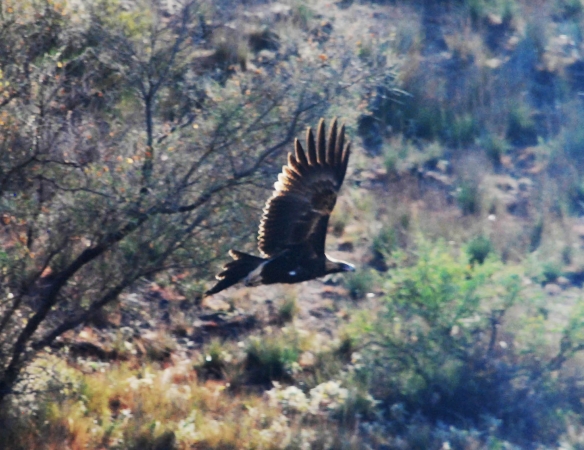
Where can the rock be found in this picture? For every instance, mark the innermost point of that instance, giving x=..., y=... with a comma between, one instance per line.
x=494, y=20
x=280, y=11
x=579, y=230
x=444, y=166
x=505, y=183
x=439, y=178
x=511, y=192
x=266, y=55
x=525, y=184
x=274, y=13
x=216, y=304
x=563, y=282
x=307, y=359
x=552, y=289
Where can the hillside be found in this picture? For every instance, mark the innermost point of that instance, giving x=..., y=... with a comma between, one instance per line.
x=139, y=142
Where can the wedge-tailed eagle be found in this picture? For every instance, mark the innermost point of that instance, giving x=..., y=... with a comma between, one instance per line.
x=293, y=228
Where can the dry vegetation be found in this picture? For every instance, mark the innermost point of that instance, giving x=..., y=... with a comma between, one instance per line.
x=138, y=142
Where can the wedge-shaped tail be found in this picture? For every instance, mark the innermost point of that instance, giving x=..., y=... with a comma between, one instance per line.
x=235, y=271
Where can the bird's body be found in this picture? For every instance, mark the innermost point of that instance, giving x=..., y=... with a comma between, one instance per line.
x=294, y=224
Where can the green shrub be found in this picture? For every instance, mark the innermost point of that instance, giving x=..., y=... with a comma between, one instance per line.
x=270, y=359
x=478, y=249
x=567, y=254
x=551, y=271
x=434, y=348
x=535, y=235
x=521, y=128
x=360, y=283
x=287, y=309
x=429, y=121
x=213, y=362
x=385, y=241
x=468, y=198
x=478, y=10
x=495, y=148
x=390, y=161
x=463, y=130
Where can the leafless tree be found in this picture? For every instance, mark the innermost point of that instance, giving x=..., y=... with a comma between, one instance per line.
x=129, y=146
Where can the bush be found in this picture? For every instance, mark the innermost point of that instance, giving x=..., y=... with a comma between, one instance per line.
x=287, y=309
x=468, y=197
x=495, y=148
x=551, y=271
x=386, y=241
x=270, y=359
x=463, y=130
x=521, y=128
x=435, y=347
x=536, y=234
x=478, y=249
x=143, y=173
x=360, y=283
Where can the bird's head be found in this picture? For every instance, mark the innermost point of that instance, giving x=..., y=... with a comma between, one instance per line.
x=335, y=266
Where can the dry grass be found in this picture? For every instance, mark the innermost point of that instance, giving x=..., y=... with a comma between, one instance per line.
x=143, y=405
x=221, y=393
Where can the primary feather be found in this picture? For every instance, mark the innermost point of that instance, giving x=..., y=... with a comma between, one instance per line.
x=305, y=194
x=293, y=227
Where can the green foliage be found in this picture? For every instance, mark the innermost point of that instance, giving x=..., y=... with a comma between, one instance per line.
x=521, y=129
x=575, y=197
x=426, y=327
x=302, y=14
x=213, y=362
x=478, y=249
x=463, y=130
x=567, y=254
x=437, y=338
x=287, y=309
x=495, y=148
x=536, y=234
x=468, y=197
x=390, y=161
x=360, y=283
x=551, y=271
x=429, y=122
x=128, y=149
x=386, y=241
x=270, y=359
x=480, y=9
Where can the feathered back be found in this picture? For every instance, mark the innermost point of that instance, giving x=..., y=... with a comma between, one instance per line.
x=297, y=213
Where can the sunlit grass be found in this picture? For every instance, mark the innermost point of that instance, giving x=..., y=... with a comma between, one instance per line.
x=128, y=405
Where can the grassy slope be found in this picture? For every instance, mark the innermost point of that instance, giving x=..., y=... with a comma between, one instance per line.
x=202, y=383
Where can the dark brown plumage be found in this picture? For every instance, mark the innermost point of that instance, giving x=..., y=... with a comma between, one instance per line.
x=293, y=228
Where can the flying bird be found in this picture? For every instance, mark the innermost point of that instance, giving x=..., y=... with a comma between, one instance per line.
x=293, y=228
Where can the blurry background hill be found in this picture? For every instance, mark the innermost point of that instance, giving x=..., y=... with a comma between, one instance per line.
x=139, y=141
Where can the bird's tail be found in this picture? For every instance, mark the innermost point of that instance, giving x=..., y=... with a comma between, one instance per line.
x=235, y=270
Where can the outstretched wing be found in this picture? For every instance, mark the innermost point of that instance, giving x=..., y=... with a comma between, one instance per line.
x=298, y=211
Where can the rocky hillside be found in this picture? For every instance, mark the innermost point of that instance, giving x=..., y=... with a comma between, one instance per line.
x=462, y=209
